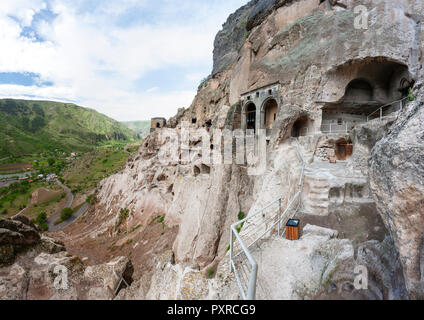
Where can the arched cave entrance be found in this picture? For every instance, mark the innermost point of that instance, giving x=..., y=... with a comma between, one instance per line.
x=344, y=149
x=270, y=113
x=359, y=91
x=300, y=127
x=379, y=82
x=157, y=125
x=251, y=116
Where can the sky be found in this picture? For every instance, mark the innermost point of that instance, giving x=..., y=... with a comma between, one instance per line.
x=129, y=59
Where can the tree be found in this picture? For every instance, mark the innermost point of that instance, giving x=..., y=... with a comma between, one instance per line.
x=51, y=161
x=66, y=214
x=37, y=123
x=41, y=218
x=38, y=110
x=25, y=123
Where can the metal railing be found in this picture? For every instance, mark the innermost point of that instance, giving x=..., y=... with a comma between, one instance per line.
x=346, y=127
x=335, y=128
x=241, y=243
x=380, y=111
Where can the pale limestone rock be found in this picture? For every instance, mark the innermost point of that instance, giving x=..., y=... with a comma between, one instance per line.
x=397, y=182
x=108, y=275
x=320, y=231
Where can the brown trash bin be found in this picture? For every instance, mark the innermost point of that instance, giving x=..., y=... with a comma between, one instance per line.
x=292, y=229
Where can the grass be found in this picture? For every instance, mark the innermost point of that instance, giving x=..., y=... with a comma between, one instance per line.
x=87, y=171
x=161, y=220
x=134, y=228
x=91, y=199
x=50, y=207
x=17, y=196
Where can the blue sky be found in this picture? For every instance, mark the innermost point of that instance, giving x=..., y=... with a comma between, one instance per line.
x=129, y=59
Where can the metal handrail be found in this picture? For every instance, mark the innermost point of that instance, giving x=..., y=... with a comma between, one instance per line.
x=234, y=235
x=343, y=128
x=387, y=105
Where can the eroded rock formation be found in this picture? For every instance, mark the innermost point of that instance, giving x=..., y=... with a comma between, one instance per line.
x=321, y=72
x=397, y=181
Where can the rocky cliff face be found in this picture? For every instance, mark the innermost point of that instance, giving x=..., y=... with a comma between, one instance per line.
x=35, y=267
x=397, y=181
x=173, y=219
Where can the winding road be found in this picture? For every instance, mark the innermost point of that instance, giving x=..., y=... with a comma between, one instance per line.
x=75, y=216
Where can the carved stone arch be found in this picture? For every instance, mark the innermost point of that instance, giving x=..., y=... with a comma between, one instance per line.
x=269, y=112
x=249, y=112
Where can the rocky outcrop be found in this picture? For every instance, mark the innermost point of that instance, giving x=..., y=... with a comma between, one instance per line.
x=263, y=9
x=231, y=38
x=16, y=234
x=109, y=277
x=397, y=181
x=36, y=267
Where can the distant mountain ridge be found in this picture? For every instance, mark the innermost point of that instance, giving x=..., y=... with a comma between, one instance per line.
x=28, y=126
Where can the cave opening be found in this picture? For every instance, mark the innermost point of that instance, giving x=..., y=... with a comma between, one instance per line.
x=300, y=127
x=375, y=91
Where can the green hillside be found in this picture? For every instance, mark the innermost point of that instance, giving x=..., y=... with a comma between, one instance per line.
x=28, y=127
x=142, y=128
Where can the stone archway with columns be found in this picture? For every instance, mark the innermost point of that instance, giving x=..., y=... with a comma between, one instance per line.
x=260, y=98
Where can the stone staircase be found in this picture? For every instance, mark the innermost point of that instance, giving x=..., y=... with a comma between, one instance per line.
x=315, y=194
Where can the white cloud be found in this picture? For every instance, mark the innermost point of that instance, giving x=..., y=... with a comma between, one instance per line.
x=95, y=62
x=152, y=89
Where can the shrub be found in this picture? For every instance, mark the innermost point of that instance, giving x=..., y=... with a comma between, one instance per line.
x=124, y=214
x=41, y=218
x=411, y=95
x=91, y=199
x=210, y=273
x=4, y=212
x=241, y=215
x=66, y=214
x=44, y=226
